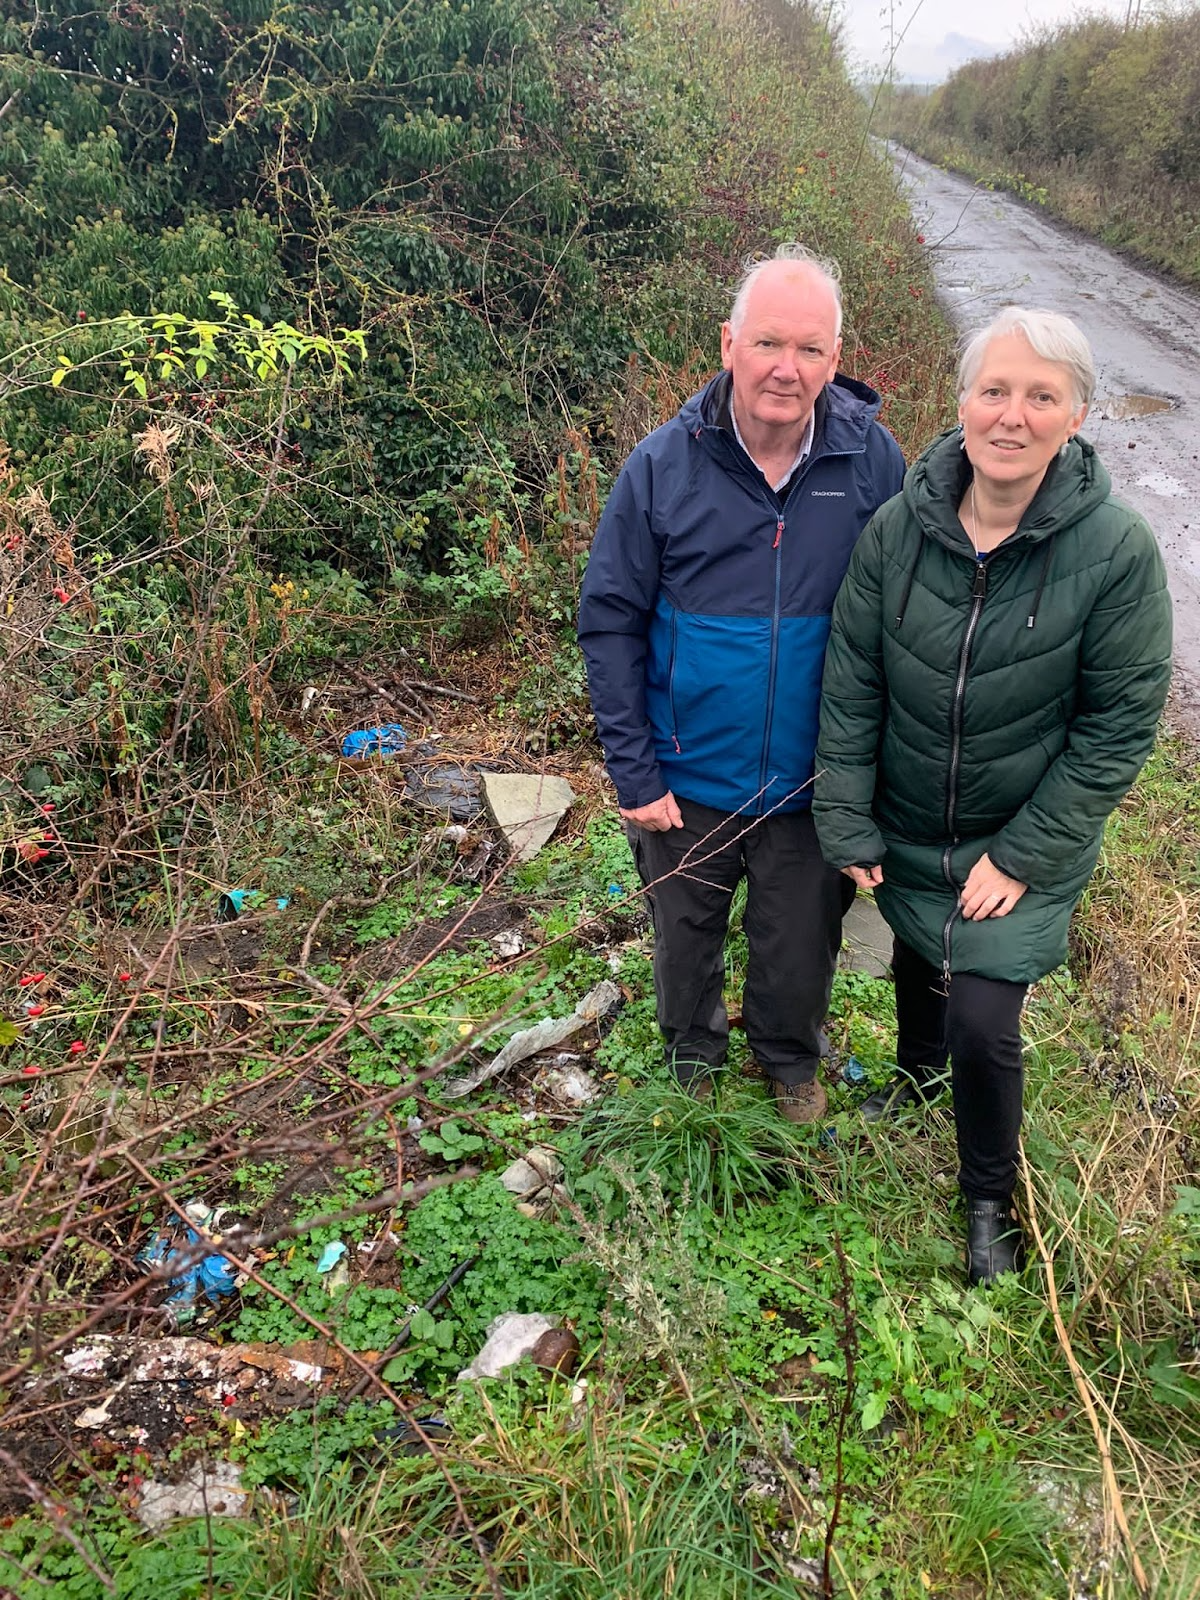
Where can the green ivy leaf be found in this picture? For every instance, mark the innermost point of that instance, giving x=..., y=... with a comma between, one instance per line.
x=873, y=1411
x=424, y=1325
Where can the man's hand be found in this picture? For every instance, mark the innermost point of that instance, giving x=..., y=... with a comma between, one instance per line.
x=657, y=817
x=865, y=877
x=989, y=892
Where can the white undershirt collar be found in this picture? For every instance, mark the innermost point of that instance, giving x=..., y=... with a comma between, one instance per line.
x=805, y=445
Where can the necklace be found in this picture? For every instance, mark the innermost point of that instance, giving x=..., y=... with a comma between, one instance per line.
x=975, y=527
x=975, y=524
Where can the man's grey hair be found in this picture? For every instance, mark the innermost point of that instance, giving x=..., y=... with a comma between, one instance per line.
x=821, y=266
x=1051, y=335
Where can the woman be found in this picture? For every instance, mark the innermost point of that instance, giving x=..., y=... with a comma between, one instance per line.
x=1001, y=651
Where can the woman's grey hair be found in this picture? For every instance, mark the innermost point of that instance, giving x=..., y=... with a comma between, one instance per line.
x=1051, y=335
x=825, y=269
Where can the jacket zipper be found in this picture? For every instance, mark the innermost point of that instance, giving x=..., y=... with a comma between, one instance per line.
x=978, y=593
x=777, y=547
x=671, y=686
x=776, y=509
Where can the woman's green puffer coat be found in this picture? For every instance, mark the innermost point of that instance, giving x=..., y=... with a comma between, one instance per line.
x=1001, y=706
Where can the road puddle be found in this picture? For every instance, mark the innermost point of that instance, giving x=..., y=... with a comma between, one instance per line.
x=1124, y=407
x=1162, y=483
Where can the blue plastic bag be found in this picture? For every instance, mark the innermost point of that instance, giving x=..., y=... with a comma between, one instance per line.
x=233, y=902
x=212, y=1276
x=385, y=741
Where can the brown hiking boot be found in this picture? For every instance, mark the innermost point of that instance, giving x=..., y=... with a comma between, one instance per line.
x=800, y=1102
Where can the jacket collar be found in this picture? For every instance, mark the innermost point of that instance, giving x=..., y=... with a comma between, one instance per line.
x=843, y=414
x=1074, y=485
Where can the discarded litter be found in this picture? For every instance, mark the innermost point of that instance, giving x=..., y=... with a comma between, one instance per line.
x=542, y=1035
x=201, y=1215
x=233, y=902
x=211, y=1276
x=447, y=787
x=98, y=1416
x=511, y=1336
x=455, y=833
x=333, y=1268
x=853, y=1070
x=557, y=1351
x=539, y=1169
x=330, y=1257
x=567, y=1081
x=385, y=740
x=86, y=1361
x=416, y=1437
x=206, y=1491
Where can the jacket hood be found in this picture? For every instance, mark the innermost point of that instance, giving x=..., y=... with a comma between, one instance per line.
x=845, y=410
x=1074, y=485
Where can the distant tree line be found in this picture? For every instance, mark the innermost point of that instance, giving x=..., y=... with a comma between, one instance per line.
x=1104, y=116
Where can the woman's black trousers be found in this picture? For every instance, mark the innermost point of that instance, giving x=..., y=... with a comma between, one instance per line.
x=977, y=1027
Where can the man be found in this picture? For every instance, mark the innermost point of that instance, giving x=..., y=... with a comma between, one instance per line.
x=704, y=618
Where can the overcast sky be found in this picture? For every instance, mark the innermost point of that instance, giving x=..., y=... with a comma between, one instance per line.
x=938, y=35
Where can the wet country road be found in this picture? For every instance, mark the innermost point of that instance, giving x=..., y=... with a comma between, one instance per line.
x=989, y=251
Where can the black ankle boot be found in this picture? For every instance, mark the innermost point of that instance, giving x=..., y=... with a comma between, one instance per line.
x=898, y=1094
x=995, y=1243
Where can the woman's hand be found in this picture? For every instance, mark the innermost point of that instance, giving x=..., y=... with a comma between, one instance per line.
x=865, y=877
x=989, y=892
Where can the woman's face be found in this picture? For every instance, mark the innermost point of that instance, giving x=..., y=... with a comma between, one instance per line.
x=1017, y=414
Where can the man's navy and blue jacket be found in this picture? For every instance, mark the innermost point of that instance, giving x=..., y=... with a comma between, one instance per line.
x=706, y=602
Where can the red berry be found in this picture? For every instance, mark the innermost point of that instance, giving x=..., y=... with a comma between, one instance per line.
x=30, y=977
x=48, y=808
x=30, y=1072
x=77, y=1048
x=124, y=977
x=61, y=595
x=34, y=1011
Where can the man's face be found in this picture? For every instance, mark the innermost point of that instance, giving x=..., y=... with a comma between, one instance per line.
x=785, y=350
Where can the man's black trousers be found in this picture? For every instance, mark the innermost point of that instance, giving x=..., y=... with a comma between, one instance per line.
x=793, y=924
x=977, y=1025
